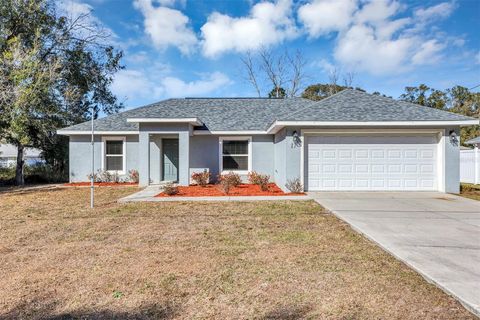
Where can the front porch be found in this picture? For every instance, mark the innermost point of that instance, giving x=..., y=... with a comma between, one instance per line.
x=163, y=157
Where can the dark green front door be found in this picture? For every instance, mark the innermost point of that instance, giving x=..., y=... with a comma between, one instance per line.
x=170, y=159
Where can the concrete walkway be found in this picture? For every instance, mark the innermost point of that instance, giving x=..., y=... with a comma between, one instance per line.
x=436, y=234
x=148, y=195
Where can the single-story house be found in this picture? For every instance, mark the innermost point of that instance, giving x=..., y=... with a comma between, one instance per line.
x=349, y=141
x=8, y=156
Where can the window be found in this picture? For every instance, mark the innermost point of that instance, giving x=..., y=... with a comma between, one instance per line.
x=235, y=154
x=114, y=154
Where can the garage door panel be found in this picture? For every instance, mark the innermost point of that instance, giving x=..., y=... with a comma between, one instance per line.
x=371, y=163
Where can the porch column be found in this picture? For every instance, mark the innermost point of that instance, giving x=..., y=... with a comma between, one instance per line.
x=184, y=158
x=144, y=158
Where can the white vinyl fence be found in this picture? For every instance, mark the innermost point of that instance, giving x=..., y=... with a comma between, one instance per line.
x=470, y=166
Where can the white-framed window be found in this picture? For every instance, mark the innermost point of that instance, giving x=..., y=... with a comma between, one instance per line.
x=114, y=154
x=235, y=154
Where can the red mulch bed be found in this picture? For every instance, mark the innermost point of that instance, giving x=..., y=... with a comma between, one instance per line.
x=216, y=191
x=100, y=184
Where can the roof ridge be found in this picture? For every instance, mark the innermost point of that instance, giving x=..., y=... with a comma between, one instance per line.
x=320, y=101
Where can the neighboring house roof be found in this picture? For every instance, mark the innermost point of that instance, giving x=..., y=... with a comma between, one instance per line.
x=239, y=114
x=473, y=141
x=10, y=151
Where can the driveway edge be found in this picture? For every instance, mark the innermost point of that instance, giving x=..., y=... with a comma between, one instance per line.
x=429, y=279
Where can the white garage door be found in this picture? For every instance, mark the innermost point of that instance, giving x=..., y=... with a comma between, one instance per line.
x=371, y=162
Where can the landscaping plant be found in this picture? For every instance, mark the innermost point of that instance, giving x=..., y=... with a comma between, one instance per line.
x=201, y=178
x=253, y=177
x=133, y=175
x=261, y=180
x=294, y=186
x=170, y=189
x=228, y=181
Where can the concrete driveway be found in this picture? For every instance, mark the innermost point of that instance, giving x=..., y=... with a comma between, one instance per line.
x=437, y=234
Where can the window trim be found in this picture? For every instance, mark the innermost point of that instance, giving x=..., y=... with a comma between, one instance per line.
x=124, y=153
x=220, y=153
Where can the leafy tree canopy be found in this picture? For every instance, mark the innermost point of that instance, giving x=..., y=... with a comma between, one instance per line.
x=53, y=71
x=320, y=91
x=457, y=99
x=277, y=93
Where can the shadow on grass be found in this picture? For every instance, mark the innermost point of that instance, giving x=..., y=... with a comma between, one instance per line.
x=34, y=310
x=287, y=313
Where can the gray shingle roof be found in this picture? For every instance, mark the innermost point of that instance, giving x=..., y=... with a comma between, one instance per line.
x=354, y=105
x=236, y=114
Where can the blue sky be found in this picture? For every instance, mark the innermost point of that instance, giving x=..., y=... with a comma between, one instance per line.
x=178, y=48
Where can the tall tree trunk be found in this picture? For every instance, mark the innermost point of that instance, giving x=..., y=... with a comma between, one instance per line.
x=19, y=178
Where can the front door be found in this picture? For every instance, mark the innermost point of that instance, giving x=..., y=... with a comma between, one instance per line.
x=170, y=159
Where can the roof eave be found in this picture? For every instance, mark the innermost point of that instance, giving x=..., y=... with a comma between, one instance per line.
x=278, y=125
x=192, y=121
x=95, y=132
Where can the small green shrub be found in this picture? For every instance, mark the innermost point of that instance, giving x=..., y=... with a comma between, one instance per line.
x=201, y=178
x=170, y=189
x=34, y=174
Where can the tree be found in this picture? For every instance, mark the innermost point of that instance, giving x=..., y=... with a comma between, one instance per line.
x=320, y=91
x=426, y=96
x=281, y=71
x=465, y=102
x=277, y=93
x=54, y=71
x=457, y=99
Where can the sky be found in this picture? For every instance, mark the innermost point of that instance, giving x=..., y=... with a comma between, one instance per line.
x=191, y=48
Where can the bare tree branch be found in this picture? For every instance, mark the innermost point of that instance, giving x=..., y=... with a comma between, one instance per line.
x=247, y=61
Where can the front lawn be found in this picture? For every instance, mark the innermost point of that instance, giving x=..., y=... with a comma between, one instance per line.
x=264, y=260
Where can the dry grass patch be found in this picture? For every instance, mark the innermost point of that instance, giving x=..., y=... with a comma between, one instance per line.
x=470, y=191
x=264, y=260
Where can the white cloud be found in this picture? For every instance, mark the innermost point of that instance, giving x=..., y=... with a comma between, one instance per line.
x=167, y=27
x=360, y=47
x=441, y=10
x=174, y=87
x=325, y=65
x=268, y=23
x=428, y=52
x=324, y=16
x=171, y=3
x=153, y=84
x=372, y=38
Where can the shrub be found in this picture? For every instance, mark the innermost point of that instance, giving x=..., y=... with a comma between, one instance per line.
x=294, y=186
x=105, y=176
x=263, y=181
x=133, y=175
x=170, y=189
x=253, y=177
x=34, y=174
x=228, y=181
x=232, y=177
x=201, y=178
